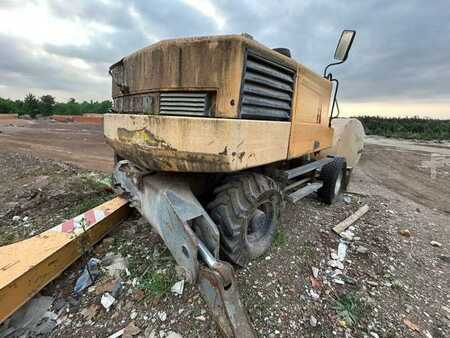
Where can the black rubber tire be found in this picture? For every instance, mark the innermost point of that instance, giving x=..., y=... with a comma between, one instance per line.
x=329, y=175
x=237, y=205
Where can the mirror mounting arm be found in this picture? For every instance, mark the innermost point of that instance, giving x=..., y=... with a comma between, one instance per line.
x=334, y=99
x=329, y=76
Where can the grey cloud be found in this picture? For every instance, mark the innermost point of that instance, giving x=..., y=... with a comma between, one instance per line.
x=401, y=50
x=115, y=15
x=20, y=68
x=160, y=18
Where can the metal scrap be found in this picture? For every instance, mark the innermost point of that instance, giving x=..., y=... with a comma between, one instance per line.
x=32, y=319
x=90, y=274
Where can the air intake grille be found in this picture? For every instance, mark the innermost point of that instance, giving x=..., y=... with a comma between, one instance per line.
x=267, y=89
x=178, y=103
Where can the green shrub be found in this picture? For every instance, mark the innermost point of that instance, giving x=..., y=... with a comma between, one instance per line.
x=409, y=128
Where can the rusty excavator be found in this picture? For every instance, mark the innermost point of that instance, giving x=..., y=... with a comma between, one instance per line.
x=212, y=135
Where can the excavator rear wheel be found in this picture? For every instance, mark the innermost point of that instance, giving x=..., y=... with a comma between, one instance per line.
x=334, y=181
x=247, y=210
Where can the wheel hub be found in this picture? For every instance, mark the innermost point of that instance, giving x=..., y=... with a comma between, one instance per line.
x=259, y=223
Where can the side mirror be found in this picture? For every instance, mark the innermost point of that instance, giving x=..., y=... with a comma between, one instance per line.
x=344, y=45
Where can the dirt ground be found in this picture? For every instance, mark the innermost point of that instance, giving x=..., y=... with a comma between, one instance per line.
x=80, y=144
x=392, y=284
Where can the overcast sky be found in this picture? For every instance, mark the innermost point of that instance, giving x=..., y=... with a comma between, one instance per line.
x=399, y=64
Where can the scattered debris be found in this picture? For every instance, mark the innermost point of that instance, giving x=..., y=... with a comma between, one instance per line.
x=362, y=250
x=106, y=286
x=436, y=244
x=411, y=325
x=389, y=261
x=408, y=308
x=117, y=334
x=350, y=220
x=347, y=199
x=338, y=281
x=172, y=334
x=446, y=309
x=405, y=232
x=348, y=280
x=178, y=287
x=333, y=254
x=372, y=283
x=347, y=235
x=427, y=334
x=107, y=300
x=314, y=295
x=336, y=264
x=115, y=264
x=313, y=321
x=131, y=330
x=90, y=274
x=117, y=289
x=315, y=283
x=162, y=316
x=342, y=251
x=31, y=320
x=90, y=312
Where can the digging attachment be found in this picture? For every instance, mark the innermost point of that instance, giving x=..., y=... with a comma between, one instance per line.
x=169, y=205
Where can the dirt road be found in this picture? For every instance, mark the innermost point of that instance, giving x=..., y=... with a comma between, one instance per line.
x=414, y=170
x=79, y=144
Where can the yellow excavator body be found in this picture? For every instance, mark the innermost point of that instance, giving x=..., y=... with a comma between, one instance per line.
x=215, y=104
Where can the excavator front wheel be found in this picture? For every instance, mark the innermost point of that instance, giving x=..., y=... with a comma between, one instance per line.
x=247, y=210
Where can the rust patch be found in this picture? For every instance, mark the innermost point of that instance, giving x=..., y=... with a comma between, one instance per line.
x=225, y=151
x=142, y=137
x=167, y=159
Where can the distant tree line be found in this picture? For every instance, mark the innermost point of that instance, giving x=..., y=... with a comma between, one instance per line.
x=410, y=128
x=46, y=105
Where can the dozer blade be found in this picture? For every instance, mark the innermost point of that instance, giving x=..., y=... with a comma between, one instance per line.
x=27, y=266
x=169, y=205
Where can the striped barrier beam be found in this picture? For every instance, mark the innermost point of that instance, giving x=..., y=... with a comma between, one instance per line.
x=27, y=266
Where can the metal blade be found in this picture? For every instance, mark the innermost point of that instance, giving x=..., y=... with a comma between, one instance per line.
x=224, y=302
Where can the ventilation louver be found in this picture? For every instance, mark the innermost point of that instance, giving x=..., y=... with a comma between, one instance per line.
x=187, y=103
x=267, y=89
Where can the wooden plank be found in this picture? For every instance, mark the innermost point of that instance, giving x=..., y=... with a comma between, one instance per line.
x=27, y=266
x=350, y=220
